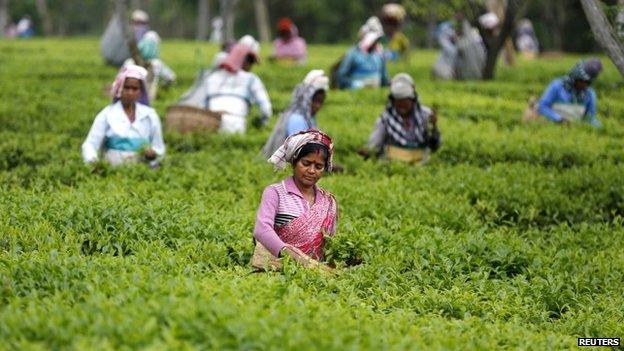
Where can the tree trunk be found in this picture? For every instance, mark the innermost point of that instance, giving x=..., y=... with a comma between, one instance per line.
x=432, y=22
x=203, y=19
x=44, y=14
x=619, y=21
x=514, y=9
x=554, y=20
x=138, y=4
x=228, y=8
x=121, y=10
x=4, y=16
x=262, y=20
x=604, y=33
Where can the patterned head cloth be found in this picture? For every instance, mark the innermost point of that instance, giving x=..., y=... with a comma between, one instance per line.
x=593, y=67
x=586, y=70
x=289, y=151
x=130, y=71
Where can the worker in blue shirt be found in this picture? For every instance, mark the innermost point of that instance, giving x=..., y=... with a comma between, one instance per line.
x=570, y=98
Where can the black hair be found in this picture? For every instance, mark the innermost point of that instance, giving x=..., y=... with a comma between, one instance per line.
x=319, y=92
x=312, y=148
x=250, y=58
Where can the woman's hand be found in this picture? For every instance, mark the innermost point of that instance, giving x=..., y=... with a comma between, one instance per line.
x=433, y=119
x=149, y=154
x=364, y=152
x=304, y=260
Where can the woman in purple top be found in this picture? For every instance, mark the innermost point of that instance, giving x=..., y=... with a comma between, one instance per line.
x=295, y=214
x=289, y=46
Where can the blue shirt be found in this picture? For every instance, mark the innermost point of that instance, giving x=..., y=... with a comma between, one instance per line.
x=557, y=93
x=358, y=66
x=297, y=123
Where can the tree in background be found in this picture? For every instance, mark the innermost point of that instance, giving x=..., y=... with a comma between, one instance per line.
x=228, y=12
x=203, y=19
x=44, y=14
x=559, y=24
x=604, y=32
x=514, y=10
x=262, y=20
x=4, y=16
x=432, y=12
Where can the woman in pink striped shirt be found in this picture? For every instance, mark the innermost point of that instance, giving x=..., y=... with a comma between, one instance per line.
x=289, y=46
x=295, y=214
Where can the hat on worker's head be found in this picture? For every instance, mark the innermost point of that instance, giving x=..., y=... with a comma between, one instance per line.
x=402, y=87
x=140, y=16
x=252, y=44
x=394, y=11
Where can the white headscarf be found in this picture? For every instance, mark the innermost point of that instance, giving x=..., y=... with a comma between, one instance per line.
x=373, y=24
x=300, y=102
x=140, y=16
x=317, y=79
x=369, y=40
x=252, y=43
x=394, y=11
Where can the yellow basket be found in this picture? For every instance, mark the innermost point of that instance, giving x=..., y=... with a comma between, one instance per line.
x=414, y=156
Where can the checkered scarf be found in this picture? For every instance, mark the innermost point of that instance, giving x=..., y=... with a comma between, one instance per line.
x=394, y=124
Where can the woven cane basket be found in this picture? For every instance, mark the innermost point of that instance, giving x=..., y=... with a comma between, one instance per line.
x=264, y=260
x=187, y=119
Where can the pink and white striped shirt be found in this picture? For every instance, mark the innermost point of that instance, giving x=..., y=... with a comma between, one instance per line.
x=281, y=203
x=295, y=48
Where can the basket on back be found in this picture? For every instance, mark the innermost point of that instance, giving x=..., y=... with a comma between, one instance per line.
x=188, y=119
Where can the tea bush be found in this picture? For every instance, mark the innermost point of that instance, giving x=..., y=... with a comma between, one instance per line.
x=510, y=238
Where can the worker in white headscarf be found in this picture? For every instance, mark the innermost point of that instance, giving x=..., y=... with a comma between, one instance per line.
x=307, y=99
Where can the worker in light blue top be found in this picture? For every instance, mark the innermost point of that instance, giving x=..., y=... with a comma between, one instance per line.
x=571, y=98
x=307, y=99
x=364, y=65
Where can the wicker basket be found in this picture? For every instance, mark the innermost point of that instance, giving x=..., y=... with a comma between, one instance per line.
x=263, y=259
x=187, y=119
x=413, y=156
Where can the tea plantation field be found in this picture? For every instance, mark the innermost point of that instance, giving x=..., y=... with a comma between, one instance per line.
x=510, y=238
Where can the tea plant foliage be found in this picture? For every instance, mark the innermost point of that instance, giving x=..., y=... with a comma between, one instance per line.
x=511, y=237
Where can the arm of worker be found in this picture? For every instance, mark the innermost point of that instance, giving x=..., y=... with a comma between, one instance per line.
x=376, y=140
x=434, y=139
x=590, y=109
x=344, y=71
x=156, y=138
x=548, y=99
x=264, y=230
x=95, y=138
x=261, y=98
